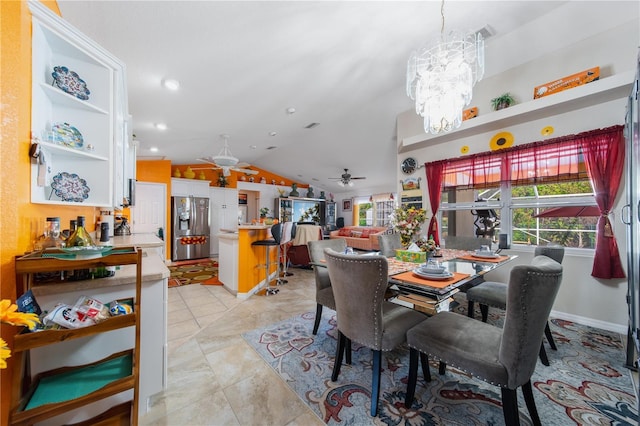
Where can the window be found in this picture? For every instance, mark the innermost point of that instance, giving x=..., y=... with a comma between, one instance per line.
x=512, y=191
x=376, y=210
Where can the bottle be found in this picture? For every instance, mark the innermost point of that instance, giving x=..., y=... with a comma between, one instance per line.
x=52, y=233
x=80, y=237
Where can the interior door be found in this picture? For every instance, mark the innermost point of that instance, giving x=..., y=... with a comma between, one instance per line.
x=150, y=212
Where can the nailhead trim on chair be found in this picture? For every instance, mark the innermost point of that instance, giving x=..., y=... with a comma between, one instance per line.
x=380, y=280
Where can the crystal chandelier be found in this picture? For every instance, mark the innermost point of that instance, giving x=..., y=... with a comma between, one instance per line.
x=441, y=76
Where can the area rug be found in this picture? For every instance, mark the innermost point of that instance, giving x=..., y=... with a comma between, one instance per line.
x=203, y=271
x=586, y=383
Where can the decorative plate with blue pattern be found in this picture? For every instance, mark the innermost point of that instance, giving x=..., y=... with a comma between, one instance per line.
x=70, y=82
x=70, y=187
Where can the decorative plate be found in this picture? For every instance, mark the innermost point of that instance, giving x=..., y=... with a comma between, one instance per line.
x=66, y=134
x=70, y=82
x=70, y=187
x=435, y=277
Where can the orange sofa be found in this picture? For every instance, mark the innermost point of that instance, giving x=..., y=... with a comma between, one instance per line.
x=360, y=237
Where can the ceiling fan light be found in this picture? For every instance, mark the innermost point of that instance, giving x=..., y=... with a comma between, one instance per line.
x=341, y=183
x=350, y=183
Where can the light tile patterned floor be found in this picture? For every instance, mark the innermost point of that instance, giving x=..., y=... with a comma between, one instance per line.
x=214, y=377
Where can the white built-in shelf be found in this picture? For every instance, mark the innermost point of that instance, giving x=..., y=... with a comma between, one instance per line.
x=597, y=92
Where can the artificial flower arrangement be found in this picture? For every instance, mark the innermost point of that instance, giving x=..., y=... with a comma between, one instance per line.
x=9, y=315
x=407, y=221
x=428, y=246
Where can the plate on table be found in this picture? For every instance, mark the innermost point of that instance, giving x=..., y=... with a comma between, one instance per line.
x=66, y=134
x=485, y=255
x=70, y=187
x=70, y=82
x=436, y=277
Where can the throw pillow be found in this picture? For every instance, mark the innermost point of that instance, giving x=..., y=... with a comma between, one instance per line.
x=365, y=233
x=344, y=232
x=356, y=234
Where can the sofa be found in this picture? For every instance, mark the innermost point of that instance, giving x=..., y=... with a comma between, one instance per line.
x=360, y=237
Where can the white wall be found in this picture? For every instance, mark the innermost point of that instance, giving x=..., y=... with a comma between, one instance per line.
x=581, y=298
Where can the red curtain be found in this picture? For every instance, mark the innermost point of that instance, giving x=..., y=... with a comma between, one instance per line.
x=604, y=156
x=596, y=154
x=435, y=177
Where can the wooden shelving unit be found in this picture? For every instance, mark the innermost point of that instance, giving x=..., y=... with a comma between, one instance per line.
x=50, y=393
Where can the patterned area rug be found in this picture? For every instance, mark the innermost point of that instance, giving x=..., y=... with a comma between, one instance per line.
x=203, y=271
x=586, y=383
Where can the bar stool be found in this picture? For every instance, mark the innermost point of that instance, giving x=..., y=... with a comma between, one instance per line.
x=267, y=244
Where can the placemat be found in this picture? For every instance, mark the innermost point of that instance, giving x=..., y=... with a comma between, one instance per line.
x=484, y=259
x=410, y=277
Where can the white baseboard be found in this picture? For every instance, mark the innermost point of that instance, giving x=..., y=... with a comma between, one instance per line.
x=609, y=326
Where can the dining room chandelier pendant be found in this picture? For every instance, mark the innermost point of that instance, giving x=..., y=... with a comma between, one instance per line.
x=441, y=76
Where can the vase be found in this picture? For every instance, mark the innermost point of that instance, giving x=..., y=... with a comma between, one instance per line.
x=310, y=193
x=294, y=190
x=177, y=173
x=189, y=174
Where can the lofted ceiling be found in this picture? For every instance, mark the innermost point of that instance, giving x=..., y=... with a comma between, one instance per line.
x=340, y=64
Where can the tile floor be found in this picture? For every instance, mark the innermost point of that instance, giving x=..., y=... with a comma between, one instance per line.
x=214, y=376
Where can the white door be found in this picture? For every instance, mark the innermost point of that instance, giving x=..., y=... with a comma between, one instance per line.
x=149, y=214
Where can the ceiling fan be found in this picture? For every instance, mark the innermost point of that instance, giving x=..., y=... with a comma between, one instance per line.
x=346, y=179
x=226, y=162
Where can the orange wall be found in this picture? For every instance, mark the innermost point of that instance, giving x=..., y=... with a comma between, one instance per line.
x=20, y=221
x=212, y=175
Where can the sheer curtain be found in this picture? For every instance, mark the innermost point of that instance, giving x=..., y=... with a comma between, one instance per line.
x=596, y=154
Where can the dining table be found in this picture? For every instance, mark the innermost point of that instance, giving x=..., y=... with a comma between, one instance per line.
x=466, y=268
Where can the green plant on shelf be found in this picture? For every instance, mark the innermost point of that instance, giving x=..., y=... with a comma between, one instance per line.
x=264, y=211
x=503, y=101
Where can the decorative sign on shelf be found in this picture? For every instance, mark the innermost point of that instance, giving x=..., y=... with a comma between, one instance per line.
x=568, y=82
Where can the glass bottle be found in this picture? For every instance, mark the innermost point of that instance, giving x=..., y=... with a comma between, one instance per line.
x=80, y=237
x=52, y=233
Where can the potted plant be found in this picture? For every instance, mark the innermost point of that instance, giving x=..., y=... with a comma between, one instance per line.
x=264, y=211
x=502, y=101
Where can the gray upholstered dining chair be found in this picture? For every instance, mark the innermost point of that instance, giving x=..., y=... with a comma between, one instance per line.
x=494, y=294
x=504, y=357
x=363, y=316
x=324, y=293
x=389, y=243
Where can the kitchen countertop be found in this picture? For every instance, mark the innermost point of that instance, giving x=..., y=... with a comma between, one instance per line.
x=138, y=240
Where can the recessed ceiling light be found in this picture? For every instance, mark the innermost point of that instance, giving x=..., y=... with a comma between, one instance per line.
x=272, y=133
x=153, y=149
x=252, y=146
x=171, y=84
x=291, y=110
x=161, y=126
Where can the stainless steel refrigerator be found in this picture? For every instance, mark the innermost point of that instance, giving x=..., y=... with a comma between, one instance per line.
x=189, y=228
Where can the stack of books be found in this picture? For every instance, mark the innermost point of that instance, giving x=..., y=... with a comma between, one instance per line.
x=428, y=305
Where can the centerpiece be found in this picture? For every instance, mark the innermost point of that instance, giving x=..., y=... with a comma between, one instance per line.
x=407, y=221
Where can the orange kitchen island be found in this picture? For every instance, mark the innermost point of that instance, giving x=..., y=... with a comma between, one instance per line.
x=241, y=265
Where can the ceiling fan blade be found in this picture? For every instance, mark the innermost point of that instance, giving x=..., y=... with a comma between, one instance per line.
x=242, y=165
x=206, y=160
x=360, y=177
x=245, y=171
